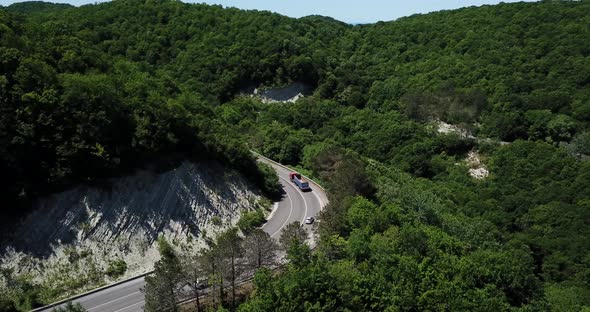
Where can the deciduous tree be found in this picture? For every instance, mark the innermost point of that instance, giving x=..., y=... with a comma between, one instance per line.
x=163, y=287
x=260, y=249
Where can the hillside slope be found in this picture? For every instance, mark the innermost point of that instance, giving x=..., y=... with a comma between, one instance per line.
x=37, y=6
x=95, y=92
x=72, y=238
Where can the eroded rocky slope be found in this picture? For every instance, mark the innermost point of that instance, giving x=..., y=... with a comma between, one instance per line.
x=74, y=236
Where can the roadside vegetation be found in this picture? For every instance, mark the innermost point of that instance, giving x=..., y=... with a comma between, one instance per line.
x=98, y=90
x=216, y=271
x=116, y=268
x=250, y=220
x=71, y=307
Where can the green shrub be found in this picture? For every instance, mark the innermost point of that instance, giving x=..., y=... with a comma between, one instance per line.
x=71, y=307
x=116, y=268
x=251, y=219
x=72, y=254
x=6, y=304
x=216, y=220
x=270, y=181
x=265, y=204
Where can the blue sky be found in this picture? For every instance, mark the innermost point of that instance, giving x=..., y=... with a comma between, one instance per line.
x=364, y=11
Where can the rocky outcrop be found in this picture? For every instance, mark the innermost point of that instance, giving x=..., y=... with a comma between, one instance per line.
x=287, y=94
x=96, y=226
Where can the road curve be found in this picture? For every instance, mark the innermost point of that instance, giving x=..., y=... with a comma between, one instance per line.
x=295, y=206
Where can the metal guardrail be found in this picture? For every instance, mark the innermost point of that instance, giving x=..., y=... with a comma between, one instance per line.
x=72, y=298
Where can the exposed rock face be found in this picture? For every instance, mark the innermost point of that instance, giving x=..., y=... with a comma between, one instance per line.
x=476, y=168
x=123, y=222
x=288, y=94
x=445, y=128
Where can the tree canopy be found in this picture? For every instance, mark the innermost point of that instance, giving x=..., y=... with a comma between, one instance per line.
x=96, y=91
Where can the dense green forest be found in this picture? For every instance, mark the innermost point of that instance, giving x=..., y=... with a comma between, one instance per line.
x=37, y=6
x=83, y=97
x=94, y=91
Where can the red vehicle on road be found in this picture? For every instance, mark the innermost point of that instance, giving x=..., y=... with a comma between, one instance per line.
x=296, y=178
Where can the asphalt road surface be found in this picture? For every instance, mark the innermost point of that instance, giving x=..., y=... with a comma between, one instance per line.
x=294, y=207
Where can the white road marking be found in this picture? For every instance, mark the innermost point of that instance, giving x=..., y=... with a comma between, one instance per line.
x=322, y=204
x=129, y=306
x=290, y=210
x=277, y=168
x=302, y=197
x=305, y=203
x=319, y=200
x=100, y=305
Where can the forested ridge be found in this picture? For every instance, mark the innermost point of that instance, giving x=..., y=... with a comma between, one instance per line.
x=94, y=91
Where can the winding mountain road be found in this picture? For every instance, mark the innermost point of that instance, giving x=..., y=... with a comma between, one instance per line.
x=294, y=207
